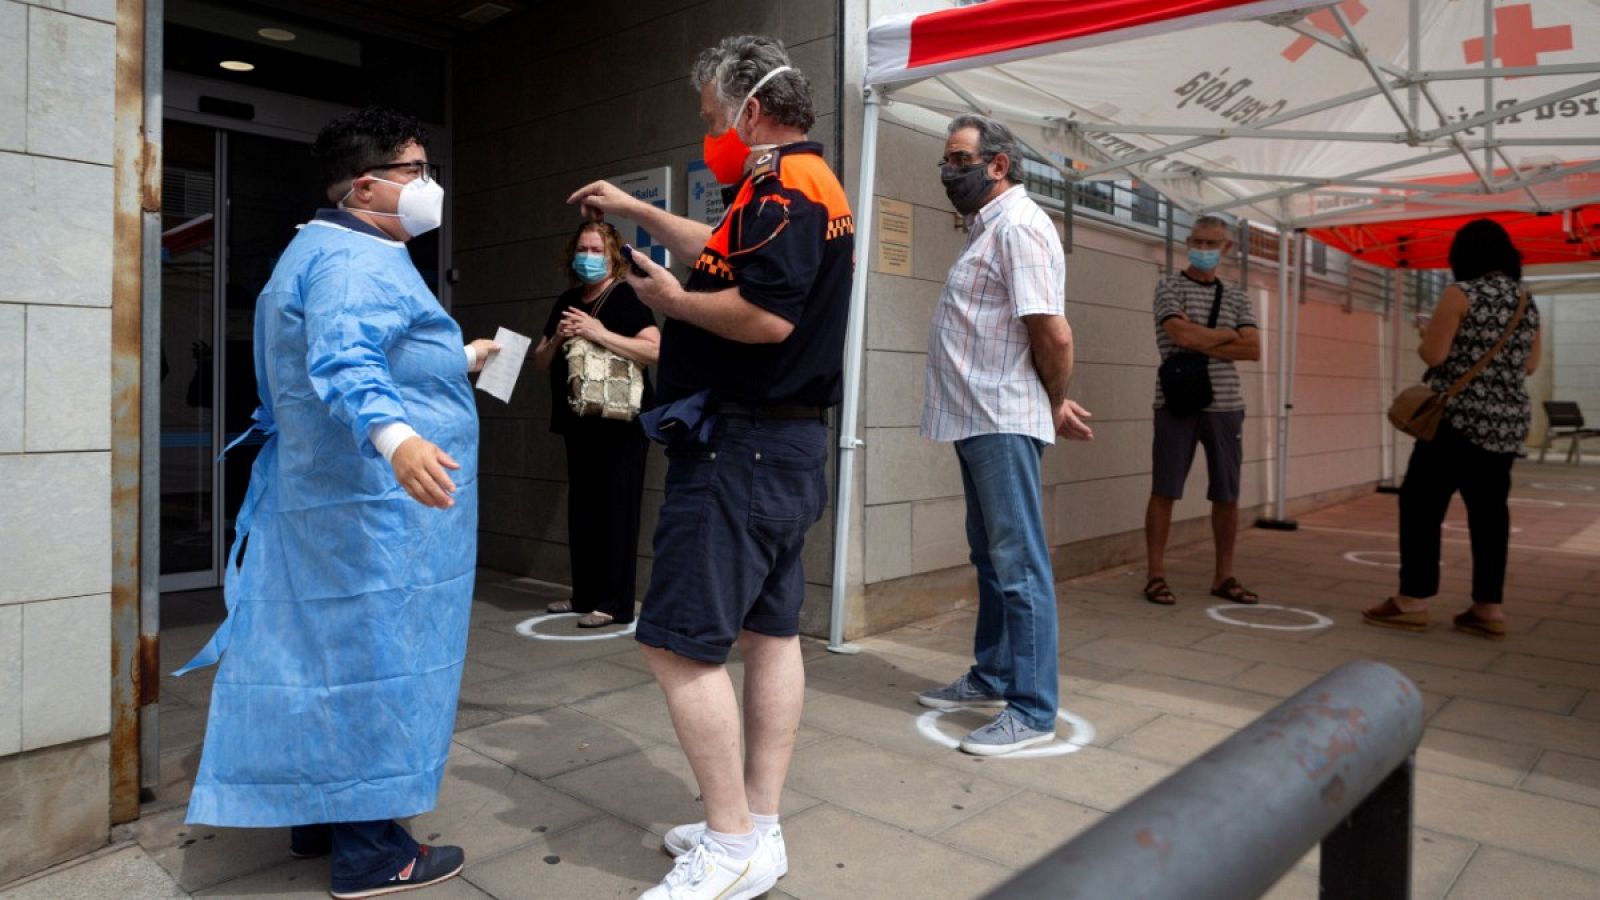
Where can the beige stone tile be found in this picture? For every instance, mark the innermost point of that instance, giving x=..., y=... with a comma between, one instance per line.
x=882, y=720
x=1553, y=648
x=57, y=248
x=1158, y=659
x=127, y=872
x=13, y=347
x=1440, y=648
x=1473, y=757
x=66, y=670
x=1212, y=703
x=654, y=789
x=1022, y=830
x=308, y=879
x=939, y=534
x=1495, y=874
x=1590, y=707
x=1259, y=649
x=1275, y=680
x=487, y=808
x=1436, y=862
x=10, y=680
x=836, y=854
x=604, y=857
x=1529, y=694
x=1577, y=674
x=55, y=538
x=1545, y=827
x=201, y=856
x=1173, y=740
x=70, y=86
x=1521, y=726
x=904, y=791
x=1569, y=777
x=887, y=533
x=1093, y=776
x=56, y=803
x=530, y=692
x=67, y=413
x=550, y=742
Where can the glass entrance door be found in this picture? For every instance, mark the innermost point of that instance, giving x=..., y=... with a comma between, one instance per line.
x=244, y=193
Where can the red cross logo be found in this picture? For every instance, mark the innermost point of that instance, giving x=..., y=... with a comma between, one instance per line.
x=1516, y=41
x=1323, y=21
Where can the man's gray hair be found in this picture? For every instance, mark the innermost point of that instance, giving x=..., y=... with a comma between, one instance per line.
x=1211, y=222
x=734, y=66
x=993, y=138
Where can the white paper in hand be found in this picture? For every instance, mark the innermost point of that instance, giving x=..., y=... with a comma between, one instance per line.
x=499, y=375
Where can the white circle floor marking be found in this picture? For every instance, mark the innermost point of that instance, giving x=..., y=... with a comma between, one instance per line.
x=1318, y=620
x=1534, y=501
x=1082, y=735
x=528, y=629
x=1560, y=486
x=1360, y=556
x=1462, y=526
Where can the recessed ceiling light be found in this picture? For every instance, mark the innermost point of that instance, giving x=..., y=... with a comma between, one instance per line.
x=276, y=34
x=235, y=65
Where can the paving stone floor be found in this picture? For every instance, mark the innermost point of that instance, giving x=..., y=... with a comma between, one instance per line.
x=565, y=771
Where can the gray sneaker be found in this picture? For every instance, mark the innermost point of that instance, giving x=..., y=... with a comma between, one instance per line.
x=1006, y=734
x=960, y=694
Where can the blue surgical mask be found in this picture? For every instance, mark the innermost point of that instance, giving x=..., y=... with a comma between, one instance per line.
x=591, y=267
x=1204, y=260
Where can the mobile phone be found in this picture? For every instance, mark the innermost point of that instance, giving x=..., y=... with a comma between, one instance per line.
x=627, y=253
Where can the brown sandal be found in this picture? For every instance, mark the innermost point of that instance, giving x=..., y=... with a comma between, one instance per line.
x=595, y=620
x=560, y=606
x=1471, y=623
x=1158, y=592
x=1231, y=589
x=1389, y=615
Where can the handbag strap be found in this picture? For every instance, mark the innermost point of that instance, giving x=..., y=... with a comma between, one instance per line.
x=1216, y=306
x=601, y=300
x=1483, y=361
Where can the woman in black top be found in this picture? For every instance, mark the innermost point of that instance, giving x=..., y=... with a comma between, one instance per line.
x=1483, y=432
x=605, y=457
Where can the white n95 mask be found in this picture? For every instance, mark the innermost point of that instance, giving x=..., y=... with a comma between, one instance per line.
x=421, y=206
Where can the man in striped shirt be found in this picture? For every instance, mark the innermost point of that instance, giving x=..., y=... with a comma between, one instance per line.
x=1183, y=317
x=999, y=359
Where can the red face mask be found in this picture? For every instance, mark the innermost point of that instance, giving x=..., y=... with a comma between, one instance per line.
x=726, y=153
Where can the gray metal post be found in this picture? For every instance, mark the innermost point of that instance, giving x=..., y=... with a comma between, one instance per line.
x=1281, y=357
x=1231, y=823
x=150, y=416
x=1369, y=853
x=855, y=339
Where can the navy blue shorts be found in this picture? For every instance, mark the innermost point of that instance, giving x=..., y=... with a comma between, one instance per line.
x=732, y=528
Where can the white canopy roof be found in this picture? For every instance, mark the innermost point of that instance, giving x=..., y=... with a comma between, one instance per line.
x=1288, y=112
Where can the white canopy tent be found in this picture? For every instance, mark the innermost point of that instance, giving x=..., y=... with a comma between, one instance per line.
x=1356, y=114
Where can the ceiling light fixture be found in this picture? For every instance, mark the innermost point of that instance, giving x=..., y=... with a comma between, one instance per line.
x=276, y=34
x=235, y=65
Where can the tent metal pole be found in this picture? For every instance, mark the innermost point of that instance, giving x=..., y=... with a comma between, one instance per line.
x=855, y=338
x=1280, y=452
x=1488, y=84
x=1397, y=312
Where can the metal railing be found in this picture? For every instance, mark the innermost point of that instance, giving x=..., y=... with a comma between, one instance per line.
x=1332, y=764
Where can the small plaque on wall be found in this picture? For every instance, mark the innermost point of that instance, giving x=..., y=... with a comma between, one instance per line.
x=894, y=237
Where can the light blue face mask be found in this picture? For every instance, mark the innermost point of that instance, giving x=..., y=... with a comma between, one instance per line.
x=591, y=267
x=1204, y=260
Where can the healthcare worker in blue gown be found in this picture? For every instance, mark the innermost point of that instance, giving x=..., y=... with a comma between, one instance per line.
x=349, y=587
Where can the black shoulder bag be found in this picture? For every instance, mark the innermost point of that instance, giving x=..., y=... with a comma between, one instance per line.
x=1186, y=375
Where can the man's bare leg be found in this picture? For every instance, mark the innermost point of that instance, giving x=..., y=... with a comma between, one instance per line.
x=705, y=714
x=1224, y=532
x=774, y=695
x=1157, y=528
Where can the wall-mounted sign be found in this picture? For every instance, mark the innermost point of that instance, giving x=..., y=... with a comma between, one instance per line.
x=653, y=186
x=894, y=237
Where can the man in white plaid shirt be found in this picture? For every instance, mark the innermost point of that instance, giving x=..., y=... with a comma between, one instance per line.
x=999, y=359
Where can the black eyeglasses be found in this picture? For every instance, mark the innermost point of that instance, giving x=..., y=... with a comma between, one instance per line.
x=427, y=171
x=961, y=159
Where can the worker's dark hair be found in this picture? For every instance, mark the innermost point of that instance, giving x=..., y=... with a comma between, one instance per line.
x=1483, y=246
x=355, y=142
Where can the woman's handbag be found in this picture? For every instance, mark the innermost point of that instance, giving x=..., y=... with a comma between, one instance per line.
x=1185, y=376
x=601, y=383
x=1419, y=409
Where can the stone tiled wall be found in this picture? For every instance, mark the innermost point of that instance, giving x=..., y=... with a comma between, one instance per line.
x=1572, y=330
x=542, y=106
x=56, y=90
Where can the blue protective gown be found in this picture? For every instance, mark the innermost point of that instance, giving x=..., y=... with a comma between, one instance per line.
x=347, y=628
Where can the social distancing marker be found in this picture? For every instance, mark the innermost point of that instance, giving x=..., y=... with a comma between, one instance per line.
x=529, y=628
x=1561, y=486
x=1462, y=526
x=1081, y=736
x=1222, y=614
x=1363, y=557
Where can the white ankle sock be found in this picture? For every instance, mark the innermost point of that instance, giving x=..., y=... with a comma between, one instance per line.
x=737, y=846
x=763, y=821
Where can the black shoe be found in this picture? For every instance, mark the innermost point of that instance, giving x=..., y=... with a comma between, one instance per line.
x=310, y=841
x=430, y=866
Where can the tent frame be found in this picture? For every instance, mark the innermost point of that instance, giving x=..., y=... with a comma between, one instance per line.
x=1406, y=89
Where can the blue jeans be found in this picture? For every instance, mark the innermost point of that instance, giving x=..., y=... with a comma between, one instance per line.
x=363, y=852
x=1015, y=645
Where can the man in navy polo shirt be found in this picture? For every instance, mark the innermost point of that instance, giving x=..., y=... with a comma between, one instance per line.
x=756, y=340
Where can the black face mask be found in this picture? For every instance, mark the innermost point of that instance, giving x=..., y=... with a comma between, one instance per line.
x=967, y=186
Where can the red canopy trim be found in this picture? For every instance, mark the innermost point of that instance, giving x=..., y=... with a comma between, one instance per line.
x=1559, y=237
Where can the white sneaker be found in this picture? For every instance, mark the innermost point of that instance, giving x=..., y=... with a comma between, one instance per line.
x=684, y=838
x=708, y=873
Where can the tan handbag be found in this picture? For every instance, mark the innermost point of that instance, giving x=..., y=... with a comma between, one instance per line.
x=1419, y=409
x=601, y=383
